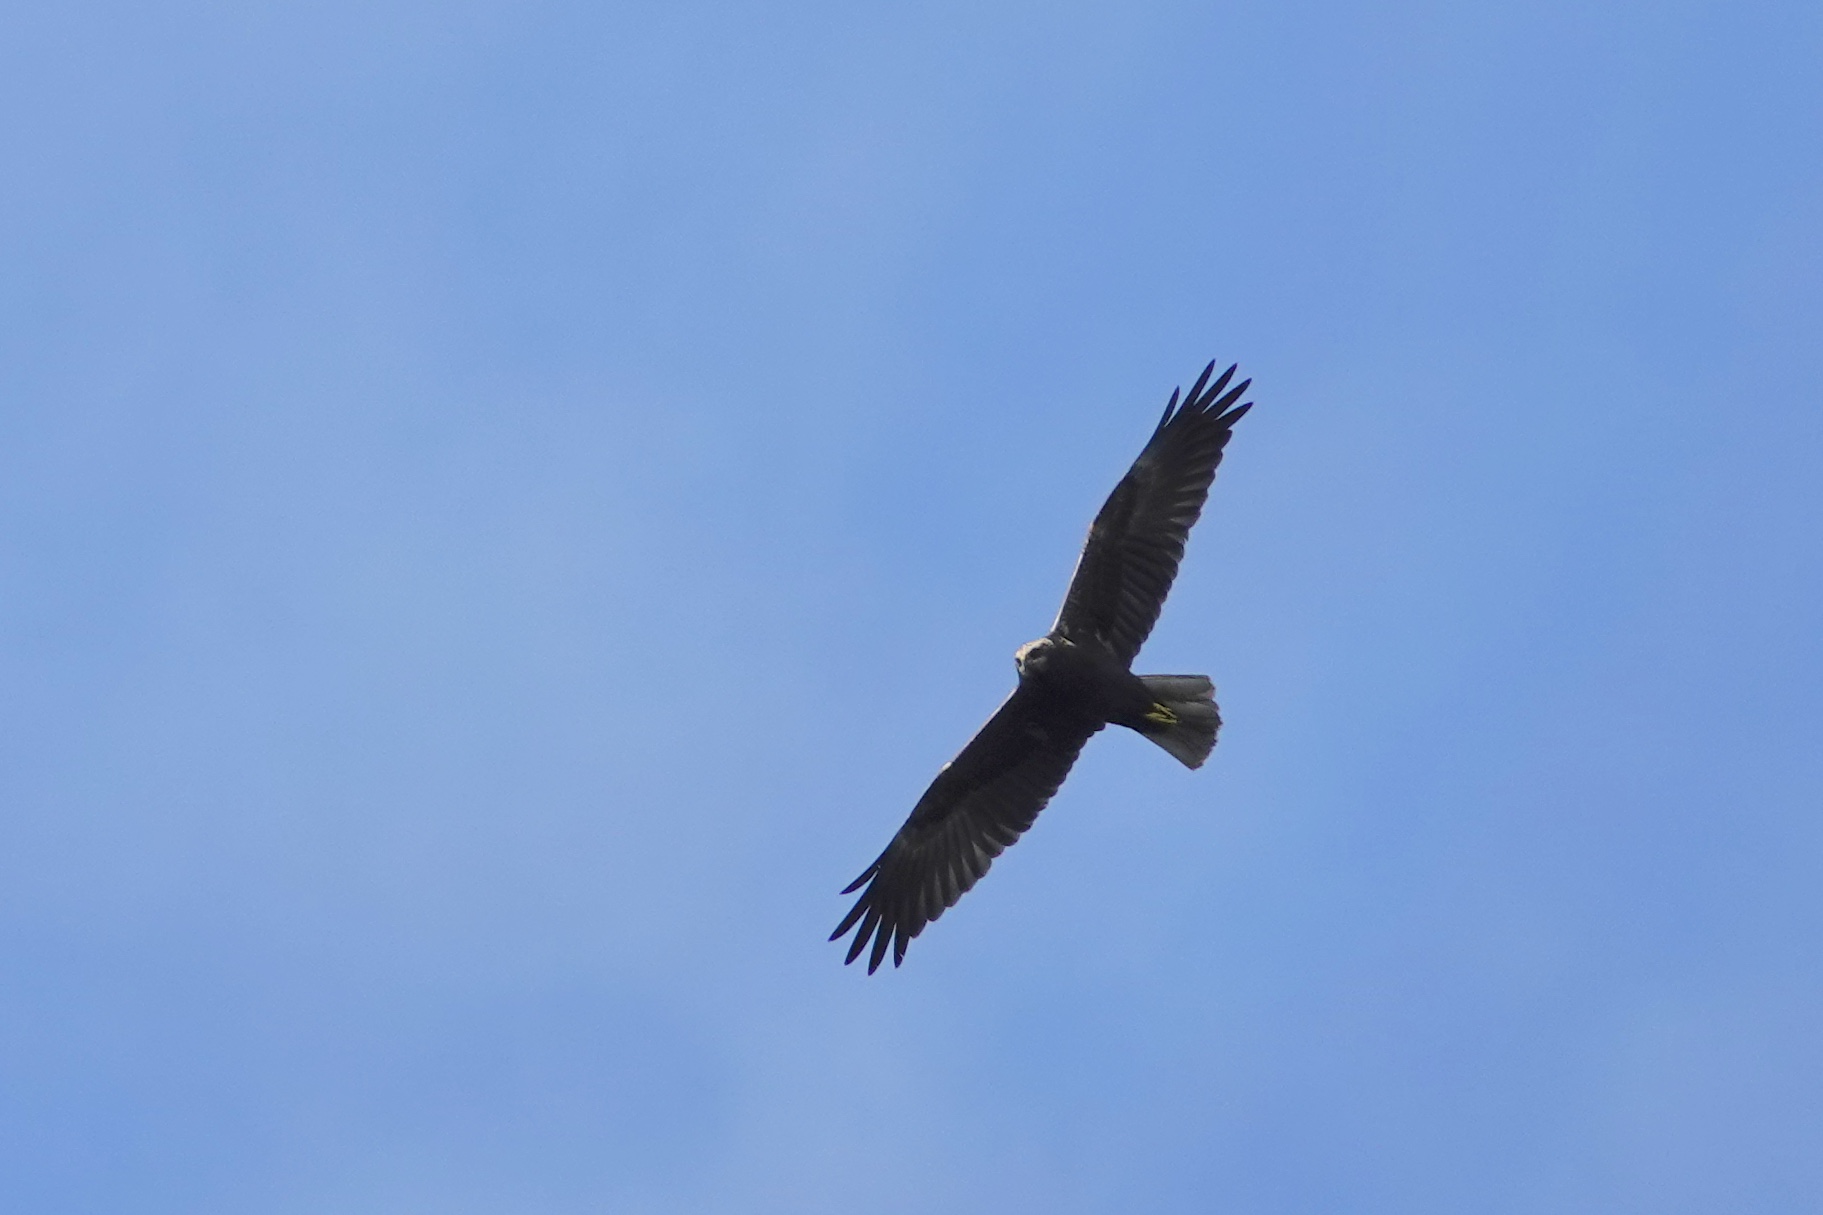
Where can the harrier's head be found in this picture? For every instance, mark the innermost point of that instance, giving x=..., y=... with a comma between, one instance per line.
x=1030, y=658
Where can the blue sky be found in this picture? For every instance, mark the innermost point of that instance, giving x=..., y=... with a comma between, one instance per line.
x=504, y=507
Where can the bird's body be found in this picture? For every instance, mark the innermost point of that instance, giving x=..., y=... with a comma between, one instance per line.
x=1082, y=680
x=1073, y=681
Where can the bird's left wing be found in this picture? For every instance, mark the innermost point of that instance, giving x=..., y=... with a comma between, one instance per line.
x=980, y=803
x=1137, y=540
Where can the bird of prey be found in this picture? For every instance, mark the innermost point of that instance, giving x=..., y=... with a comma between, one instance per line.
x=1074, y=680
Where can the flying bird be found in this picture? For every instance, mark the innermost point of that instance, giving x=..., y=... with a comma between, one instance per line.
x=1074, y=680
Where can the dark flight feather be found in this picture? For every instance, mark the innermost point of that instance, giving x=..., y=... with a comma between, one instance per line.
x=982, y=801
x=1137, y=540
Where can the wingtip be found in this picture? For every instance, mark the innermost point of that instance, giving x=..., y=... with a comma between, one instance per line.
x=1226, y=411
x=1221, y=381
x=1169, y=406
x=848, y=921
x=1196, y=390
x=866, y=874
x=869, y=922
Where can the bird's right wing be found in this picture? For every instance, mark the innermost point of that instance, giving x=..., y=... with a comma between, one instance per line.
x=1137, y=540
x=980, y=803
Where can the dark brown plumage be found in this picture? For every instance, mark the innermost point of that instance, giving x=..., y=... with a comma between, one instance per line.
x=1072, y=682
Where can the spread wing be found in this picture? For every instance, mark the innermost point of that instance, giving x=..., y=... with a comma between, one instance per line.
x=981, y=802
x=1136, y=542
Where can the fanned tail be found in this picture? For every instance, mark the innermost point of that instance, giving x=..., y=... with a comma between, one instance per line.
x=1184, y=719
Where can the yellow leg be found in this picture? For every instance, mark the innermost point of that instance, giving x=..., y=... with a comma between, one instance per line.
x=1161, y=715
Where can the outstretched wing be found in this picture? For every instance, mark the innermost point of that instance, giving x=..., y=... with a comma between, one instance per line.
x=981, y=802
x=1136, y=542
